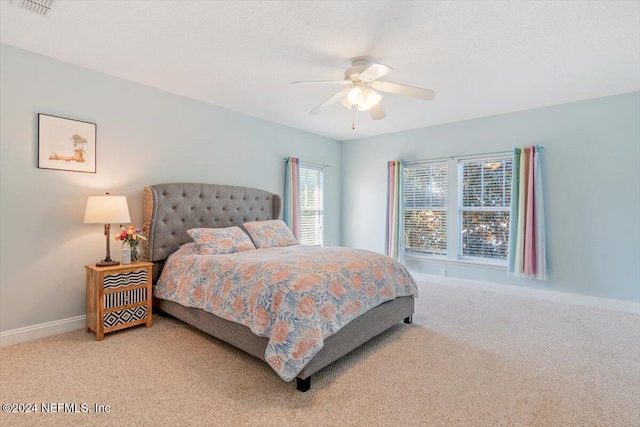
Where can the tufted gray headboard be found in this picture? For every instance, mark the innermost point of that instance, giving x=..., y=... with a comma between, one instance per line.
x=171, y=209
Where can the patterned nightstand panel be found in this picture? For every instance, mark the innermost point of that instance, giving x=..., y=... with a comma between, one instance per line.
x=113, y=281
x=125, y=316
x=125, y=297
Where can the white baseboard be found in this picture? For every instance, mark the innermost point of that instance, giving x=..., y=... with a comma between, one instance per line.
x=42, y=330
x=544, y=294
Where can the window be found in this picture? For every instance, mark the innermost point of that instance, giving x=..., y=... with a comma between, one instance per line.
x=425, y=208
x=311, y=204
x=485, y=193
x=479, y=195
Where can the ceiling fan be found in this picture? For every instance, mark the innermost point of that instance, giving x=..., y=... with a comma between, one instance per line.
x=361, y=81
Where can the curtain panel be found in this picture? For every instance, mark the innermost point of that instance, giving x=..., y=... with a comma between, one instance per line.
x=291, y=211
x=527, y=246
x=394, y=209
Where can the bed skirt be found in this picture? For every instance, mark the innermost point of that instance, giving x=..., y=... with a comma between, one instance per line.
x=350, y=337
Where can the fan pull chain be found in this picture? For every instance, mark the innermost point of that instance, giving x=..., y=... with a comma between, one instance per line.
x=353, y=122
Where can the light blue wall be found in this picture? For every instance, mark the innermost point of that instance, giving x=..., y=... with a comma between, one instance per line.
x=591, y=165
x=145, y=136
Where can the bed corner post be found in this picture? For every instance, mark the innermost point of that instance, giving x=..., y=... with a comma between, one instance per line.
x=303, y=384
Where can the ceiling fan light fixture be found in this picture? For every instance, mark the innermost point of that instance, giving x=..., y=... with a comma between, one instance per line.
x=355, y=95
x=371, y=99
x=361, y=81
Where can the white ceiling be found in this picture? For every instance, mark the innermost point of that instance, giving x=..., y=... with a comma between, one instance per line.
x=480, y=57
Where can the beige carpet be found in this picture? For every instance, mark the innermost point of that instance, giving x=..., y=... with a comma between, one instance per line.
x=470, y=358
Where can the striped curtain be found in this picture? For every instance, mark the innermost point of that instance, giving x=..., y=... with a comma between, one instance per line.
x=291, y=215
x=394, y=222
x=527, y=252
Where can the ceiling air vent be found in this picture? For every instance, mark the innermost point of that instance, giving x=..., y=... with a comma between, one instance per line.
x=41, y=7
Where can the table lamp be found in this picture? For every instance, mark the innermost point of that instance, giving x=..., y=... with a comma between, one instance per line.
x=107, y=210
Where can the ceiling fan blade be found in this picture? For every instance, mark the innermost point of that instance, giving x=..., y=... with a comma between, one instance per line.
x=344, y=101
x=405, y=90
x=375, y=71
x=330, y=101
x=304, y=82
x=377, y=112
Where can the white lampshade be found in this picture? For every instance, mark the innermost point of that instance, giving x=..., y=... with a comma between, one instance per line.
x=371, y=99
x=107, y=210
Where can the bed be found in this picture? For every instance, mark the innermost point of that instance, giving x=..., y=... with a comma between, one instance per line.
x=172, y=209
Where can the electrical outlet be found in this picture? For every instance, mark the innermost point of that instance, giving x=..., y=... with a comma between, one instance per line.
x=443, y=272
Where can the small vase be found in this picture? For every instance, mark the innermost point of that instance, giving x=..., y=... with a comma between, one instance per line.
x=135, y=256
x=126, y=254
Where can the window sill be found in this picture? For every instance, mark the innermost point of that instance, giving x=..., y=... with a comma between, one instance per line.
x=461, y=262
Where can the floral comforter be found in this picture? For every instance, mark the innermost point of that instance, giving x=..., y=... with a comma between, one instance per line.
x=296, y=295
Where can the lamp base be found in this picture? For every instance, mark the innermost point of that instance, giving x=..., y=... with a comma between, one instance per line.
x=107, y=263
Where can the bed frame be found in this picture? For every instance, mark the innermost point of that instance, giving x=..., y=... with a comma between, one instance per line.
x=171, y=209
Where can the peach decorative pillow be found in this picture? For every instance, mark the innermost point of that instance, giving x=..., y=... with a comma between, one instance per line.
x=270, y=234
x=215, y=241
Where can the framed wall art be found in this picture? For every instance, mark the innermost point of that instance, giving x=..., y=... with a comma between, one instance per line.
x=66, y=144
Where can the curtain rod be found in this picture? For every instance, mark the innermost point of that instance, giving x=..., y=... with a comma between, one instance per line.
x=319, y=165
x=504, y=152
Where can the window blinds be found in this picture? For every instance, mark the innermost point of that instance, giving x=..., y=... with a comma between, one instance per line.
x=485, y=200
x=425, y=187
x=311, y=204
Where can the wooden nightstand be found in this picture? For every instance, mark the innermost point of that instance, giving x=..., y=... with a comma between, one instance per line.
x=118, y=297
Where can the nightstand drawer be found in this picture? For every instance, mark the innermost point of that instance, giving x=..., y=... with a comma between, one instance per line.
x=131, y=278
x=122, y=317
x=126, y=297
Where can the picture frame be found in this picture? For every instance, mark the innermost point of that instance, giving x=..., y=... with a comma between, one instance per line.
x=66, y=144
